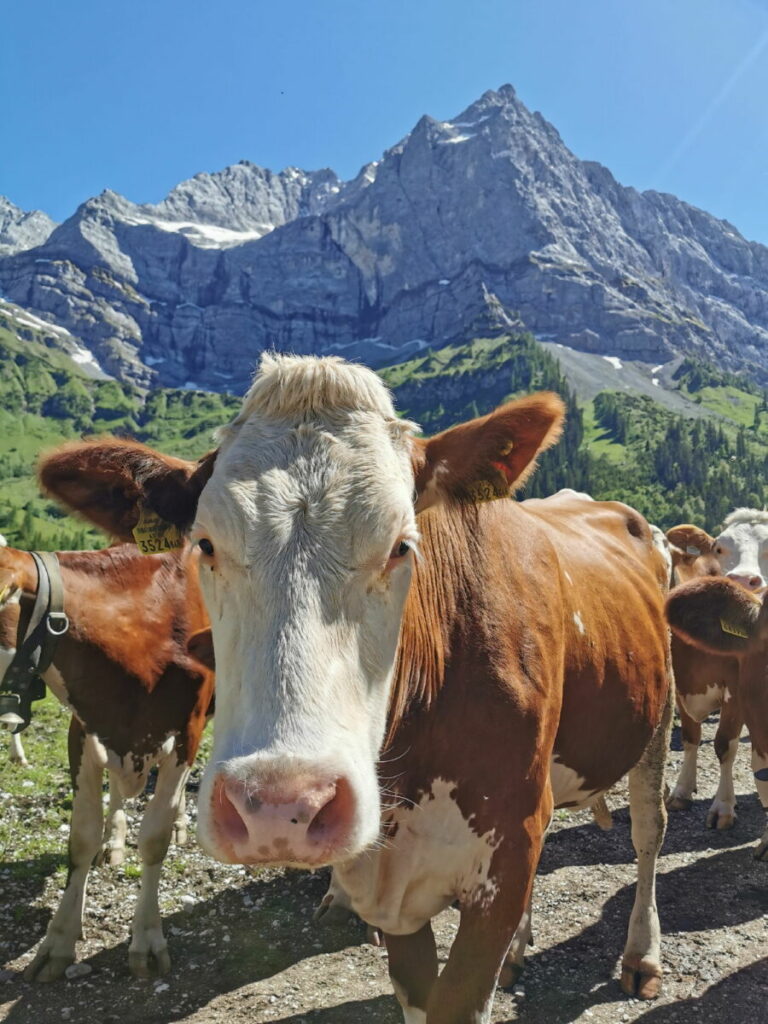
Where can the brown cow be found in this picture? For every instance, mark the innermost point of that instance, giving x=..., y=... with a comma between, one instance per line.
x=703, y=685
x=721, y=617
x=137, y=699
x=705, y=682
x=532, y=669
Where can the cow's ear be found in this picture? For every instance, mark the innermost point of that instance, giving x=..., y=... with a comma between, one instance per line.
x=111, y=483
x=488, y=457
x=715, y=614
x=200, y=647
x=691, y=540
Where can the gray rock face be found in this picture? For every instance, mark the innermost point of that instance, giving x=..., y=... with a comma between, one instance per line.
x=21, y=230
x=465, y=226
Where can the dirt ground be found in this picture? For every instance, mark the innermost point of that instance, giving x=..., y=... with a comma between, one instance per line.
x=245, y=948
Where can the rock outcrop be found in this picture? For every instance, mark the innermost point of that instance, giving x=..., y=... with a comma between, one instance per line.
x=21, y=229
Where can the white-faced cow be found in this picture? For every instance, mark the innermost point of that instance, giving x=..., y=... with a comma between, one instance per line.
x=721, y=617
x=532, y=668
x=708, y=682
x=137, y=699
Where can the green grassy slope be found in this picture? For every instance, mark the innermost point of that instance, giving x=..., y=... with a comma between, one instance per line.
x=616, y=445
x=46, y=398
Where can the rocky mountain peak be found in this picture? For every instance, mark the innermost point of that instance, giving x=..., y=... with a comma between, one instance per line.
x=476, y=222
x=21, y=229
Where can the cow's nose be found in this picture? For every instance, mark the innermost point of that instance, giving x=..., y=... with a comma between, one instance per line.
x=302, y=821
x=750, y=582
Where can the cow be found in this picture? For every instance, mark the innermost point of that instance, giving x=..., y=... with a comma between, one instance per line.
x=721, y=617
x=707, y=683
x=137, y=699
x=16, y=754
x=411, y=674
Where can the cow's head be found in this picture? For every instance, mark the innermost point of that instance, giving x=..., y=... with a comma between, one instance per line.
x=307, y=527
x=692, y=553
x=741, y=548
x=719, y=616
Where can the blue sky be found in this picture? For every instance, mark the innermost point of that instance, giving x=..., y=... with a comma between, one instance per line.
x=669, y=94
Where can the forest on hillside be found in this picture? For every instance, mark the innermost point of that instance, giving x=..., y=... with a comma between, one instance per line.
x=620, y=446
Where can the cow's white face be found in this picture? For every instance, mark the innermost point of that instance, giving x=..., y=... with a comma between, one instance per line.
x=309, y=525
x=742, y=549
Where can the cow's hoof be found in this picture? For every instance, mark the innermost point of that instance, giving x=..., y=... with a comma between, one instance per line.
x=510, y=974
x=179, y=835
x=149, y=964
x=761, y=851
x=111, y=856
x=640, y=978
x=46, y=967
x=679, y=803
x=721, y=820
x=332, y=914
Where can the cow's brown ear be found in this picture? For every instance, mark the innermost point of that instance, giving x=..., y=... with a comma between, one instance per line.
x=111, y=482
x=488, y=457
x=200, y=647
x=715, y=614
x=691, y=540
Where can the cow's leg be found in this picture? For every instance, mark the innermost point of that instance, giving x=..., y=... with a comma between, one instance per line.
x=641, y=969
x=87, y=759
x=335, y=907
x=464, y=991
x=722, y=813
x=754, y=704
x=413, y=971
x=115, y=826
x=179, y=834
x=514, y=962
x=17, y=750
x=760, y=768
x=147, y=939
x=681, y=796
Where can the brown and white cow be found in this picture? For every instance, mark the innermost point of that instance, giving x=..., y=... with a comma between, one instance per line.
x=705, y=682
x=721, y=617
x=137, y=699
x=532, y=668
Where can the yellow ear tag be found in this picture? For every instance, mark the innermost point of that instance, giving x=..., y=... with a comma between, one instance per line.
x=483, y=490
x=5, y=592
x=154, y=535
x=728, y=627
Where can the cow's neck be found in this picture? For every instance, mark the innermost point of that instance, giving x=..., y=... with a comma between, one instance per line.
x=445, y=577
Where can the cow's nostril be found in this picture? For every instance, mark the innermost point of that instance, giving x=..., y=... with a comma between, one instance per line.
x=228, y=818
x=334, y=815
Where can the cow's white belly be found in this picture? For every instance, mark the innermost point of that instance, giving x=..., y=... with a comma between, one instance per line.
x=433, y=858
x=568, y=787
x=701, y=705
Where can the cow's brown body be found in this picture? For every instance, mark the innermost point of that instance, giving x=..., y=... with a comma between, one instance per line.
x=137, y=699
x=513, y=683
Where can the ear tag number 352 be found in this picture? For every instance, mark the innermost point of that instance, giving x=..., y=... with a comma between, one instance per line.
x=154, y=535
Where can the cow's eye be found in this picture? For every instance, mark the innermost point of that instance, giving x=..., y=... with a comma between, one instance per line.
x=205, y=546
x=400, y=550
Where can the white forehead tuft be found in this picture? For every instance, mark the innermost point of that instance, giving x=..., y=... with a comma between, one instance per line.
x=746, y=516
x=306, y=387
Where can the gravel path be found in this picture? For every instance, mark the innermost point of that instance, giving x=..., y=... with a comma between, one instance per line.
x=245, y=949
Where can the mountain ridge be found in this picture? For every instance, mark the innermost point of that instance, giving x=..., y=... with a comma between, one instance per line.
x=465, y=226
